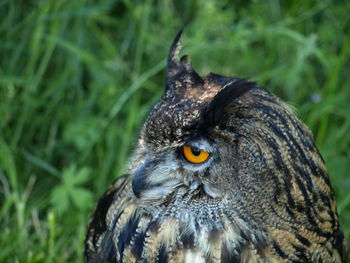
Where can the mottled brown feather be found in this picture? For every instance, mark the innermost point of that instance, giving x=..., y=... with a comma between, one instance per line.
x=263, y=195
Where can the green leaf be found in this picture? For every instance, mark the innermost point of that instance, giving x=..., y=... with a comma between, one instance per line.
x=60, y=199
x=81, y=198
x=68, y=193
x=72, y=176
x=84, y=132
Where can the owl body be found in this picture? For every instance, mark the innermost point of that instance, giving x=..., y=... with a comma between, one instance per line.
x=223, y=172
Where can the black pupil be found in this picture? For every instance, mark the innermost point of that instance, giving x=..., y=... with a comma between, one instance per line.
x=196, y=151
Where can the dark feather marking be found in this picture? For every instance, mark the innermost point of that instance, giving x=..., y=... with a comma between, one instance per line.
x=280, y=163
x=228, y=256
x=301, y=254
x=285, y=135
x=153, y=226
x=98, y=223
x=278, y=160
x=303, y=157
x=276, y=130
x=137, y=246
x=259, y=242
x=306, y=176
x=139, y=240
x=269, y=97
x=294, y=145
x=279, y=251
x=225, y=97
x=339, y=244
x=287, y=209
x=303, y=190
x=115, y=219
x=196, y=226
x=309, y=207
x=317, y=171
x=297, y=168
x=243, y=116
x=108, y=251
x=163, y=256
x=187, y=239
x=287, y=187
x=127, y=233
x=306, y=140
x=214, y=235
x=326, y=199
x=303, y=240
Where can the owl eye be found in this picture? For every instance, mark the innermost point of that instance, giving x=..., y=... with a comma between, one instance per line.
x=194, y=155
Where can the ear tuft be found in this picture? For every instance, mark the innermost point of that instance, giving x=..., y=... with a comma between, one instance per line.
x=174, y=63
x=180, y=71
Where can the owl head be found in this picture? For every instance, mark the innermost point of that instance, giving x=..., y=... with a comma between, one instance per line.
x=227, y=139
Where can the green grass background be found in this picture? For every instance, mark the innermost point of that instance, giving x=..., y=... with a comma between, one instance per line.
x=77, y=78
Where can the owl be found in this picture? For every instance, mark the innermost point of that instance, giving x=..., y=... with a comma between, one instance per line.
x=223, y=171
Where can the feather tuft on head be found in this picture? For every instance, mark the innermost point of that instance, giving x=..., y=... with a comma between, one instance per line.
x=179, y=71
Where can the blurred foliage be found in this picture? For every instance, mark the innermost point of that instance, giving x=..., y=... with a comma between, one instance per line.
x=77, y=78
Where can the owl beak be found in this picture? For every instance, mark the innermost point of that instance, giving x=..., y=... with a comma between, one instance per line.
x=149, y=185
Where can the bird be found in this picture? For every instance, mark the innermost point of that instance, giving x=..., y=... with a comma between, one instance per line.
x=223, y=171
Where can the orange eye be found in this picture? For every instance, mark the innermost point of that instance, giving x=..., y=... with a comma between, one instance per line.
x=193, y=155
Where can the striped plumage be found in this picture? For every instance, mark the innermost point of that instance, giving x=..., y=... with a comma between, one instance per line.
x=262, y=196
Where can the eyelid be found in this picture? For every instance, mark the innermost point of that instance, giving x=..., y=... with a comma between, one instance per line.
x=201, y=145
